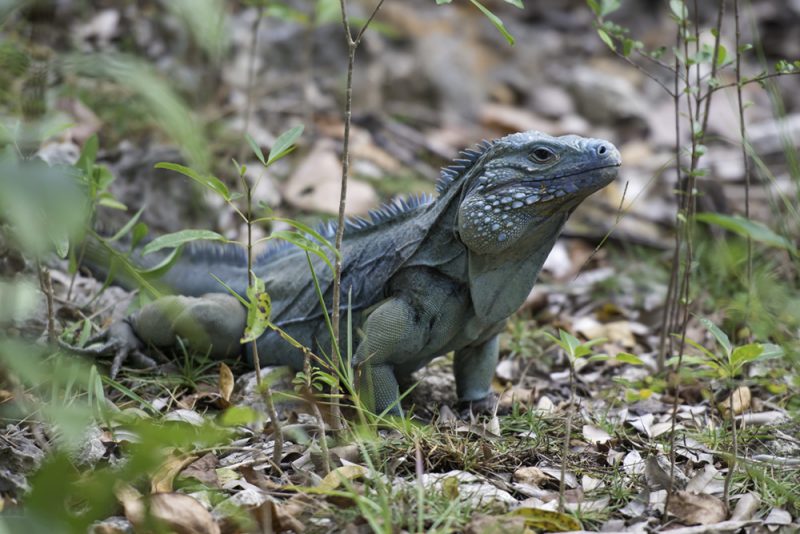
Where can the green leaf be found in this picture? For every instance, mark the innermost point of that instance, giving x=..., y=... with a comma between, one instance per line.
x=719, y=335
x=140, y=230
x=609, y=6
x=177, y=239
x=303, y=242
x=128, y=225
x=239, y=416
x=308, y=230
x=157, y=270
x=678, y=8
x=594, y=6
x=770, y=351
x=626, y=357
x=515, y=3
x=88, y=155
x=440, y=2
x=259, y=308
x=284, y=144
x=256, y=149
x=105, y=199
x=207, y=180
x=746, y=353
x=606, y=39
x=627, y=47
x=747, y=228
x=722, y=55
x=494, y=20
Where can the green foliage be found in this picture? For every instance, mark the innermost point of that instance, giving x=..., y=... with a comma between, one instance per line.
x=494, y=19
x=44, y=206
x=744, y=227
x=572, y=347
x=164, y=105
x=728, y=363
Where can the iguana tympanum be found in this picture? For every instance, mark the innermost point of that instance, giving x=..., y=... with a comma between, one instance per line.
x=423, y=276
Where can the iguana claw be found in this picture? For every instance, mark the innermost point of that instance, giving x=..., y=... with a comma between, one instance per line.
x=119, y=340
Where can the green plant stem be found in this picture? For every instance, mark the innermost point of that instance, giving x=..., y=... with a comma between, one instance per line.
x=352, y=46
x=734, y=437
x=264, y=389
x=743, y=140
x=562, y=485
x=323, y=440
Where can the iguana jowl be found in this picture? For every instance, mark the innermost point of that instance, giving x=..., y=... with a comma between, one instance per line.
x=424, y=276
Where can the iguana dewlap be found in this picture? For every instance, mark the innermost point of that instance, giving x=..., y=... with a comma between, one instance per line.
x=423, y=276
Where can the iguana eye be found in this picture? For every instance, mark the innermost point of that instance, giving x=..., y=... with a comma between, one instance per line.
x=542, y=155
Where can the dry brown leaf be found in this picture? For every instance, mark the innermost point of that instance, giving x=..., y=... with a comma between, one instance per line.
x=347, y=472
x=697, y=508
x=226, y=382
x=178, y=512
x=166, y=473
x=504, y=524
x=530, y=475
x=204, y=470
x=520, y=395
x=315, y=184
x=741, y=398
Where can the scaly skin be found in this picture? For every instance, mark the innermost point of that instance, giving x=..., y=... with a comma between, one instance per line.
x=425, y=277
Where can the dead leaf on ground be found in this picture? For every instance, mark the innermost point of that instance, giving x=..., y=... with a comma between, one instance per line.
x=545, y=520
x=516, y=394
x=697, y=508
x=316, y=184
x=204, y=470
x=226, y=383
x=179, y=513
x=740, y=397
x=335, y=478
x=163, y=478
x=530, y=475
x=595, y=435
x=496, y=523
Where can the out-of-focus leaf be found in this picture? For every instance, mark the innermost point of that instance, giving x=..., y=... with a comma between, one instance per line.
x=284, y=144
x=747, y=228
x=179, y=238
x=206, y=20
x=207, y=180
x=163, y=103
x=494, y=20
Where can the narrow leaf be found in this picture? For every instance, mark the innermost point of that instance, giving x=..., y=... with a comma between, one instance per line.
x=284, y=143
x=256, y=149
x=747, y=228
x=606, y=39
x=494, y=20
x=177, y=239
x=207, y=180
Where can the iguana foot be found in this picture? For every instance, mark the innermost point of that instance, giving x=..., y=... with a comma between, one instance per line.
x=484, y=406
x=121, y=342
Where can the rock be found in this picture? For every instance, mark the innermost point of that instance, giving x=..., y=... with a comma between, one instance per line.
x=605, y=99
x=551, y=101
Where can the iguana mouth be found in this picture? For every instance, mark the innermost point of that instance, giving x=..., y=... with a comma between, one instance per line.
x=576, y=173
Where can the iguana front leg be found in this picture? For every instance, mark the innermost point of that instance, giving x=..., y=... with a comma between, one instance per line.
x=212, y=323
x=393, y=333
x=474, y=368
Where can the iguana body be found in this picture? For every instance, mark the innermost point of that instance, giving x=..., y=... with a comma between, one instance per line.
x=424, y=277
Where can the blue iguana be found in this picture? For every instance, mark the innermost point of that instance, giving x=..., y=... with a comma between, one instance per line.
x=424, y=276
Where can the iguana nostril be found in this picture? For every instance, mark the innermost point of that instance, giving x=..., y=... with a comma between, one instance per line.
x=602, y=150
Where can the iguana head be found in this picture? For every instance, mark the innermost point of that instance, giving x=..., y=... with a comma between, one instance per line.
x=522, y=179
